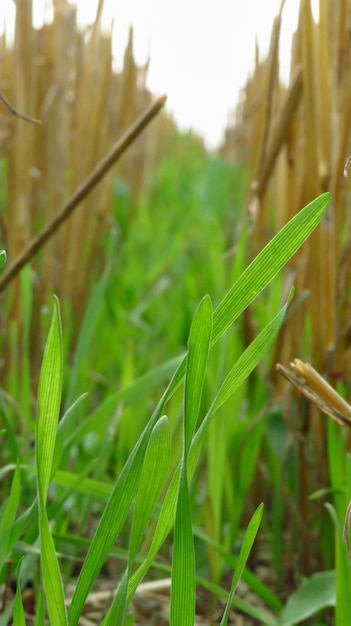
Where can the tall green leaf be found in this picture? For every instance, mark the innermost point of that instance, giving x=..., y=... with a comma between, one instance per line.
x=183, y=587
x=49, y=399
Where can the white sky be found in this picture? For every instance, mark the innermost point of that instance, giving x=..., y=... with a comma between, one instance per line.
x=201, y=51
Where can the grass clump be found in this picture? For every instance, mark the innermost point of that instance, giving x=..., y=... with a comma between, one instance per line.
x=151, y=494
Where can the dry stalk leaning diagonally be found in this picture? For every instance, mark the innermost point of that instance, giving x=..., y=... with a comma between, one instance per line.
x=83, y=190
x=313, y=386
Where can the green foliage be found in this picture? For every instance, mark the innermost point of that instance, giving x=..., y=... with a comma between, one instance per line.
x=151, y=493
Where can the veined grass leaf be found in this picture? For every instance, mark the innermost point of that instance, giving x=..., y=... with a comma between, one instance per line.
x=153, y=474
x=183, y=586
x=249, y=538
x=262, y=270
x=49, y=399
x=267, y=264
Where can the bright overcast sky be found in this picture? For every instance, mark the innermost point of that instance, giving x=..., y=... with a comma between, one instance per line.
x=201, y=52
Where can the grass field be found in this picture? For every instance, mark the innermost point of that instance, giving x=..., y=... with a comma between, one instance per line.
x=116, y=451
x=155, y=467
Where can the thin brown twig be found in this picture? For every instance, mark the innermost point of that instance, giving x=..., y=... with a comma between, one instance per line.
x=82, y=191
x=14, y=111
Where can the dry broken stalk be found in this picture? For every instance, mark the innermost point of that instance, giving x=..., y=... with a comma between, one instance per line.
x=315, y=388
x=82, y=191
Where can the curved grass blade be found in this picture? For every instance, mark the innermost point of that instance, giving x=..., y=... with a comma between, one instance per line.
x=112, y=518
x=249, y=538
x=152, y=477
x=262, y=270
x=49, y=399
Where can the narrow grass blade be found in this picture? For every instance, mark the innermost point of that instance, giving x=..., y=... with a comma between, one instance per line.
x=8, y=516
x=152, y=477
x=198, y=349
x=183, y=587
x=112, y=519
x=342, y=573
x=18, y=612
x=49, y=399
x=250, y=358
x=262, y=270
x=259, y=616
x=267, y=264
x=249, y=538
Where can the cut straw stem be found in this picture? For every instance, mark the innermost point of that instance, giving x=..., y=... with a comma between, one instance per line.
x=82, y=191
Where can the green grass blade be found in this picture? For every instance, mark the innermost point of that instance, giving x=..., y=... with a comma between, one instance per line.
x=267, y=264
x=49, y=399
x=152, y=477
x=8, y=516
x=248, y=360
x=183, y=587
x=262, y=270
x=182, y=607
x=249, y=538
x=342, y=573
x=18, y=612
x=112, y=519
x=198, y=349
